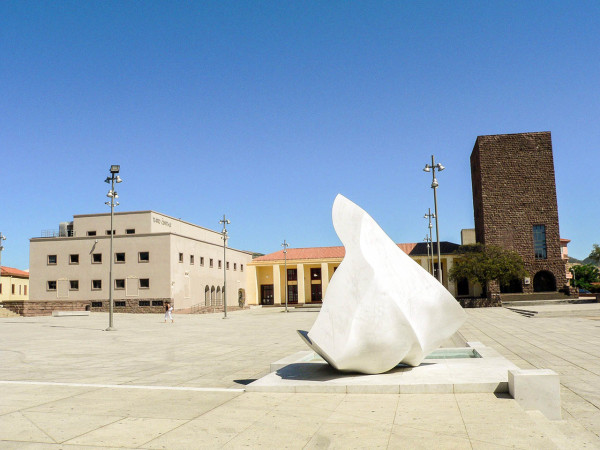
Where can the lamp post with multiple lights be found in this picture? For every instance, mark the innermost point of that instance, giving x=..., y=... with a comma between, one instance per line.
x=430, y=216
x=429, y=254
x=434, y=185
x=112, y=194
x=285, y=245
x=224, y=236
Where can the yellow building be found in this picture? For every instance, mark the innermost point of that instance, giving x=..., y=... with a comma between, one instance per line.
x=14, y=284
x=309, y=271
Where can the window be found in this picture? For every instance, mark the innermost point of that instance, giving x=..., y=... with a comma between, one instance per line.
x=241, y=267
x=315, y=273
x=292, y=275
x=120, y=257
x=13, y=289
x=120, y=304
x=157, y=303
x=96, y=285
x=96, y=258
x=234, y=266
x=227, y=265
x=24, y=290
x=539, y=241
x=0, y=288
x=130, y=231
x=210, y=263
x=120, y=284
x=191, y=259
x=144, y=283
x=91, y=233
x=96, y=304
x=51, y=260
x=220, y=264
x=51, y=285
x=144, y=257
x=73, y=285
x=181, y=257
x=202, y=260
x=108, y=232
x=144, y=303
x=19, y=289
x=73, y=259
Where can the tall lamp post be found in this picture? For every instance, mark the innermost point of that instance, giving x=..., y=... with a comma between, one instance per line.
x=2, y=238
x=112, y=194
x=429, y=256
x=430, y=216
x=285, y=245
x=434, y=185
x=225, y=222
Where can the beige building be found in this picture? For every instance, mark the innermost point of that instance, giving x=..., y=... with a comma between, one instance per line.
x=156, y=258
x=309, y=271
x=14, y=284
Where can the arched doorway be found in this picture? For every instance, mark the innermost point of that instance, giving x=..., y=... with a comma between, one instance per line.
x=219, y=298
x=513, y=287
x=206, y=296
x=241, y=298
x=213, y=300
x=544, y=281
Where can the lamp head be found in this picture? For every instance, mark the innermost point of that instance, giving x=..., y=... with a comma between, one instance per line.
x=434, y=184
x=115, y=168
x=118, y=179
x=108, y=179
x=440, y=167
x=110, y=194
x=427, y=168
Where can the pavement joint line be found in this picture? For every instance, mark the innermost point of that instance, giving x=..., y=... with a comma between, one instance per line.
x=124, y=386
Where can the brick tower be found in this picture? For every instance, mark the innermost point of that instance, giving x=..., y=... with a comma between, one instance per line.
x=514, y=201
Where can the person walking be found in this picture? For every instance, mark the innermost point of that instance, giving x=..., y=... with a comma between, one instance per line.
x=168, y=311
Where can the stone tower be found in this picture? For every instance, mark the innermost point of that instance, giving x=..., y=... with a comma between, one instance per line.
x=514, y=201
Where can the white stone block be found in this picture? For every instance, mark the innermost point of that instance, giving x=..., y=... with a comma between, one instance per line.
x=536, y=389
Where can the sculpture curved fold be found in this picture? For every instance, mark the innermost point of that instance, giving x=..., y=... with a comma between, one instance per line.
x=381, y=308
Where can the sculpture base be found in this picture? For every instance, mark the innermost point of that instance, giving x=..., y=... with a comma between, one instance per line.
x=445, y=371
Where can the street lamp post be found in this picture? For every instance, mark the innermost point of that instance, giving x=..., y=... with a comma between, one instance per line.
x=434, y=185
x=429, y=255
x=225, y=222
x=285, y=245
x=2, y=238
x=430, y=216
x=112, y=194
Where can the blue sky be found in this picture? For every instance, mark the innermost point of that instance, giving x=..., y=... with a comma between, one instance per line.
x=266, y=110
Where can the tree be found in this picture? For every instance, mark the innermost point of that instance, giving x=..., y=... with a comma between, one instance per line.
x=595, y=254
x=484, y=263
x=584, y=275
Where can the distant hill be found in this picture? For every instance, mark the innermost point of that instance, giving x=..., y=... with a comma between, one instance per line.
x=587, y=260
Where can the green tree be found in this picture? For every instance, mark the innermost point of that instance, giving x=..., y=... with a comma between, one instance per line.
x=595, y=254
x=584, y=275
x=484, y=263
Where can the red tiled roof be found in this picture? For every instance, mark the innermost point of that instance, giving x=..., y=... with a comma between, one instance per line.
x=12, y=272
x=318, y=253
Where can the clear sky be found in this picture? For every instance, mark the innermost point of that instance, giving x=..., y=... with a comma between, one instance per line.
x=266, y=110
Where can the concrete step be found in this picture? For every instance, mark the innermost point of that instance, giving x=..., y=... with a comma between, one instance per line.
x=559, y=301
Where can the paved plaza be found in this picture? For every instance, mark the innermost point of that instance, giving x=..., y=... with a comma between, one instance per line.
x=66, y=383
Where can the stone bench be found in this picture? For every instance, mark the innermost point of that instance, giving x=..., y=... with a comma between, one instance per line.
x=69, y=313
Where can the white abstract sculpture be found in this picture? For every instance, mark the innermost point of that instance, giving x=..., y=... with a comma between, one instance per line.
x=381, y=308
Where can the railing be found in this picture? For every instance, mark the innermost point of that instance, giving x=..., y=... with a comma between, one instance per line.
x=57, y=233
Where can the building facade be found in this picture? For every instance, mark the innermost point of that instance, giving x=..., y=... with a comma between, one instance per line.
x=515, y=207
x=14, y=284
x=156, y=258
x=309, y=271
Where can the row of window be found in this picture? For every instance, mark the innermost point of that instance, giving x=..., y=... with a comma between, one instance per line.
x=127, y=231
x=14, y=289
x=122, y=304
x=211, y=262
x=143, y=257
x=143, y=283
x=315, y=273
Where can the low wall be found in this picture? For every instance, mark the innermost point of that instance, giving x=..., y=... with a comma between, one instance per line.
x=479, y=302
x=29, y=308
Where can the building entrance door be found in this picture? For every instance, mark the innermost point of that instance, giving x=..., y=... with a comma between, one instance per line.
x=315, y=293
x=266, y=294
